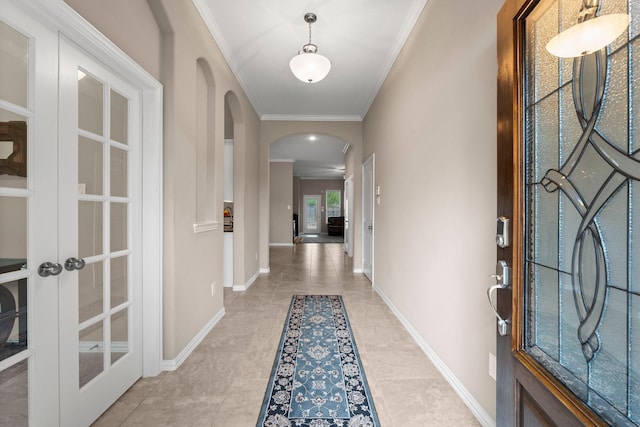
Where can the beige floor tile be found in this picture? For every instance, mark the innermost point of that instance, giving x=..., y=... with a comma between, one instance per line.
x=175, y=411
x=223, y=381
x=425, y=402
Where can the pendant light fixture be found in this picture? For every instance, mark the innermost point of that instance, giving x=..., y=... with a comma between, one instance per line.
x=591, y=34
x=308, y=65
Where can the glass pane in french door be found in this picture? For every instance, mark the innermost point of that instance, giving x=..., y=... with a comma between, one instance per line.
x=582, y=295
x=312, y=213
x=15, y=197
x=103, y=226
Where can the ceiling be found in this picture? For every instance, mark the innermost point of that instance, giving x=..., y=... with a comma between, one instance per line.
x=362, y=38
x=316, y=156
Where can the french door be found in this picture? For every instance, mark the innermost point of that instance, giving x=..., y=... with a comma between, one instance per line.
x=75, y=215
x=99, y=208
x=568, y=174
x=311, y=216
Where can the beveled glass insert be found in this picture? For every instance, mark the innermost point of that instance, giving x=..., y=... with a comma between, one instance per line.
x=119, y=334
x=90, y=228
x=119, y=118
x=91, y=353
x=90, y=104
x=13, y=149
x=90, y=169
x=13, y=226
x=14, y=395
x=119, y=222
x=119, y=172
x=119, y=280
x=14, y=66
x=582, y=167
x=90, y=291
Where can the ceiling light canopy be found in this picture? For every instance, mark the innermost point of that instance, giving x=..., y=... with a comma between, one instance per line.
x=308, y=65
x=591, y=34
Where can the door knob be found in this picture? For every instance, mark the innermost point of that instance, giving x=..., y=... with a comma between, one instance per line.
x=74, y=264
x=47, y=269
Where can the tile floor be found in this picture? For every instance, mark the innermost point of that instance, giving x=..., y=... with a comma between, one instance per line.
x=223, y=381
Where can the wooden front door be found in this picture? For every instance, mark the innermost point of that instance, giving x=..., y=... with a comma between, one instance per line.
x=568, y=175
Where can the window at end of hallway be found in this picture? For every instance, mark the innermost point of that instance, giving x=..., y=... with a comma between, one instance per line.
x=332, y=203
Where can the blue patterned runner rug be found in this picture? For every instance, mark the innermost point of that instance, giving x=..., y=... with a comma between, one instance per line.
x=317, y=378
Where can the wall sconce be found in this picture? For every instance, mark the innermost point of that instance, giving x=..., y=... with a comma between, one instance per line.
x=591, y=34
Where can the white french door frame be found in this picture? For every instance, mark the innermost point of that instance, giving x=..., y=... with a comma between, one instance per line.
x=58, y=15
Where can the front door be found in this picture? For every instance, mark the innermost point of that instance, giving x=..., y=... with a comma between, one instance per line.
x=311, y=217
x=568, y=177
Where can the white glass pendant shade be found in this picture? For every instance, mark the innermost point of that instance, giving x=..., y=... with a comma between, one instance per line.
x=310, y=67
x=588, y=36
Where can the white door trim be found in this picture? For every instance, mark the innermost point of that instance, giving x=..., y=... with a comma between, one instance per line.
x=62, y=17
x=348, y=197
x=371, y=159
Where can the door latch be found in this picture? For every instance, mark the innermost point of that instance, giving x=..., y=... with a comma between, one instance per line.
x=503, y=281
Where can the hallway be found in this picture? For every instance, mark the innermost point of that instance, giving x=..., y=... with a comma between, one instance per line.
x=223, y=381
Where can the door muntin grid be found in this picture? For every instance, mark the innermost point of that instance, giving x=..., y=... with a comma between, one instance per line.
x=103, y=226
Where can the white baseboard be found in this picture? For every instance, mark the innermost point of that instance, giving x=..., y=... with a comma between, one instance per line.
x=265, y=270
x=283, y=245
x=478, y=411
x=241, y=288
x=172, y=365
x=358, y=271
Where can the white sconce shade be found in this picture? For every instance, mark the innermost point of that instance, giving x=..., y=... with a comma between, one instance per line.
x=310, y=67
x=588, y=36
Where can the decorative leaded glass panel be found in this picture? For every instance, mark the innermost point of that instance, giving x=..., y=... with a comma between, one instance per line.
x=582, y=273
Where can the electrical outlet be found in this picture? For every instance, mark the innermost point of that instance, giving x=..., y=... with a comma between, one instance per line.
x=492, y=365
x=213, y=288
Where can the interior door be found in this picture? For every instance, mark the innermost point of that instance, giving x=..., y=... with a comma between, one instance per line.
x=367, y=216
x=28, y=221
x=568, y=173
x=348, y=216
x=311, y=217
x=100, y=293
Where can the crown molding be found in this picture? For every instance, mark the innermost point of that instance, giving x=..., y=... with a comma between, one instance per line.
x=298, y=118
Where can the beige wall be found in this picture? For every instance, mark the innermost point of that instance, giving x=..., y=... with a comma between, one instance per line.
x=281, y=203
x=168, y=37
x=433, y=130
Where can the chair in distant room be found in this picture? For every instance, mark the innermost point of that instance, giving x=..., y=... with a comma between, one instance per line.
x=335, y=226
